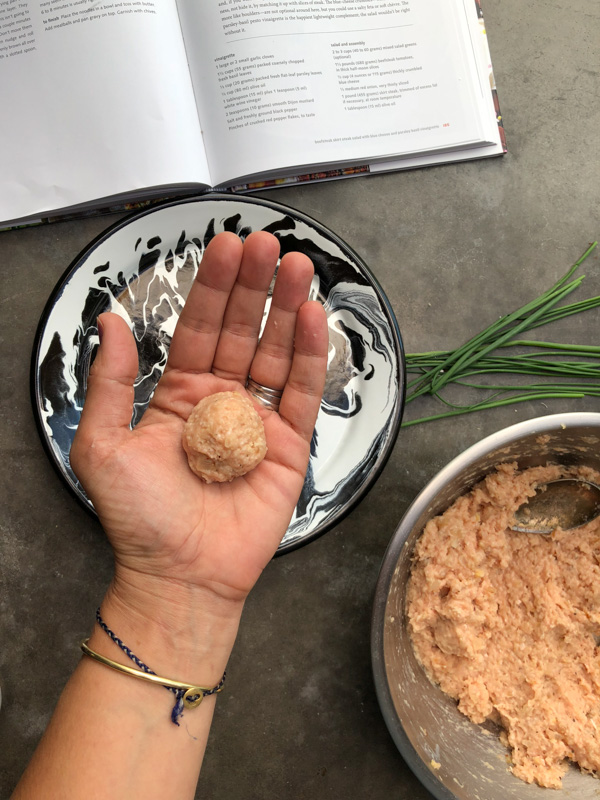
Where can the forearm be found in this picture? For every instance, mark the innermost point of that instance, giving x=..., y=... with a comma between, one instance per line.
x=187, y=553
x=111, y=735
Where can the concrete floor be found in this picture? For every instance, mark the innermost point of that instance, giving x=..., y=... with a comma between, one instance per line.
x=453, y=247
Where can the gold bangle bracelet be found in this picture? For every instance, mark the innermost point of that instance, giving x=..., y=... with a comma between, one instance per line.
x=192, y=697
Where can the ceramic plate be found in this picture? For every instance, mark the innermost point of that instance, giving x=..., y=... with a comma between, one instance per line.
x=142, y=268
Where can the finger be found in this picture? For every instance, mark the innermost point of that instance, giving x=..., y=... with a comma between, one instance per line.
x=273, y=360
x=198, y=329
x=110, y=393
x=244, y=313
x=303, y=391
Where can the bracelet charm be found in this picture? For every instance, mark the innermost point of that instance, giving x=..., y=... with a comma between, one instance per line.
x=187, y=696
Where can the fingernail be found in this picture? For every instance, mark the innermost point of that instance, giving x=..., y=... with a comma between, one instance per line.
x=100, y=329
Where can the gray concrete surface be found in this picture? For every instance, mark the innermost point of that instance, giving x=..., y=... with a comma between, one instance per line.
x=453, y=247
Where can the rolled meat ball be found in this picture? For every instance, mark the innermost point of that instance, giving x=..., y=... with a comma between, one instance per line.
x=224, y=437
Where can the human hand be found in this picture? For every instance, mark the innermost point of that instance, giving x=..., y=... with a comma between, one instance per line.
x=172, y=534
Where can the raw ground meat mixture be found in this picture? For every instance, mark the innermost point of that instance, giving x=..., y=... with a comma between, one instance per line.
x=507, y=623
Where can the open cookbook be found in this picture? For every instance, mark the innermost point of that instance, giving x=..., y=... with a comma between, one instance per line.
x=112, y=103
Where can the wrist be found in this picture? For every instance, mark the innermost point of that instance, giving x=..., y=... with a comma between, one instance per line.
x=180, y=631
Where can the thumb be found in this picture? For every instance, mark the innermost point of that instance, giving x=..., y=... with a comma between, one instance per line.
x=110, y=394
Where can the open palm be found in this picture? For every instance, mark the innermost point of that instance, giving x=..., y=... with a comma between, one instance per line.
x=162, y=520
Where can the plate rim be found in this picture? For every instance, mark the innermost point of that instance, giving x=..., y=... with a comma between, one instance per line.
x=395, y=419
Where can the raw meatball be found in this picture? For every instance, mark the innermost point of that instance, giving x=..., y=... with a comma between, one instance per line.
x=224, y=437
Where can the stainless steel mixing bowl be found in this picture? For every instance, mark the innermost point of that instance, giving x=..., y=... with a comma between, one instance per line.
x=454, y=758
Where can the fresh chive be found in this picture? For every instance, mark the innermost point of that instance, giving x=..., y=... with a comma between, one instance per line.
x=494, y=404
x=486, y=353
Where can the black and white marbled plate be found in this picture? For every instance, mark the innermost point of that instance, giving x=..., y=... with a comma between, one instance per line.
x=142, y=269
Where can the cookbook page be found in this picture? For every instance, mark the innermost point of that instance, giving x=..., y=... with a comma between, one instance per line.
x=95, y=100
x=286, y=83
x=489, y=97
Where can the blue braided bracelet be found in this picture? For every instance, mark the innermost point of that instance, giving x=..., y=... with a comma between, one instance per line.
x=191, y=700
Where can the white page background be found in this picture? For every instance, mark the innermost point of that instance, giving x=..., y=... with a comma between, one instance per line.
x=84, y=116
x=270, y=146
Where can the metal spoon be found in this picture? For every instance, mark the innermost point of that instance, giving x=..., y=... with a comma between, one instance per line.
x=567, y=503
